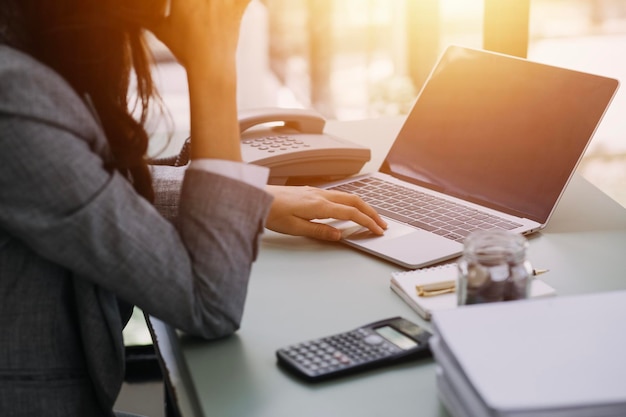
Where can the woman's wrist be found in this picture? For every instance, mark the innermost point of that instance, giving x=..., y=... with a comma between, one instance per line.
x=213, y=110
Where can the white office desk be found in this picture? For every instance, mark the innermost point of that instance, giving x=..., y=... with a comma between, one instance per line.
x=302, y=289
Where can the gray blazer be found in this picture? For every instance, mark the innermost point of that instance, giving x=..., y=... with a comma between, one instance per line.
x=77, y=242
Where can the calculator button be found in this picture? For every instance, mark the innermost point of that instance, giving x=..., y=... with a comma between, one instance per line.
x=373, y=339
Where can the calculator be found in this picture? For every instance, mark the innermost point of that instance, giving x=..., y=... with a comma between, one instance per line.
x=370, y=346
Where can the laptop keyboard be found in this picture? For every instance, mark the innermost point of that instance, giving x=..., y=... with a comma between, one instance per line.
x=450, y=220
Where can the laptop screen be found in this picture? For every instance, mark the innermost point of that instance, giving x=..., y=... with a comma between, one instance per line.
x=500, y=131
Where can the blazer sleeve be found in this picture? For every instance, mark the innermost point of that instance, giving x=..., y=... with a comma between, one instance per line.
x=167, y=182
x=58, y=198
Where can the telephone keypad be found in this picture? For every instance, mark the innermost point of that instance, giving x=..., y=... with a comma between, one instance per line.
x=271, y=144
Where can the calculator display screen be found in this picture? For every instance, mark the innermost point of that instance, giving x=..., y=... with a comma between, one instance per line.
x=396, y=337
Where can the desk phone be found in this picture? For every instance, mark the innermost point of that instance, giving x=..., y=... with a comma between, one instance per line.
x=373, y=345
x=297, y=150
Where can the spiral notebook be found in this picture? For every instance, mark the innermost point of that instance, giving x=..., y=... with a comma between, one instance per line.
x=404, y=284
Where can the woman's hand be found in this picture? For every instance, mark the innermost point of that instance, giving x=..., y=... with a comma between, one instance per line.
x=294, y=208
x=199, y=30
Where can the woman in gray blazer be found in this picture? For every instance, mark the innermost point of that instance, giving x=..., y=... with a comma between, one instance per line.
x=88, y=229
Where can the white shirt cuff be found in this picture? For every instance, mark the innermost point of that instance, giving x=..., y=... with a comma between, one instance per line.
x=254, y=175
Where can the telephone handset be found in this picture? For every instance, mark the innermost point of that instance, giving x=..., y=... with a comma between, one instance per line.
x=297, y=151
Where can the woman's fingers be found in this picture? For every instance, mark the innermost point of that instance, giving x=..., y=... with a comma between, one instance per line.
x=352, y=207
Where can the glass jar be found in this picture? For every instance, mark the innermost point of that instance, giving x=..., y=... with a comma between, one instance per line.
x=493, y=268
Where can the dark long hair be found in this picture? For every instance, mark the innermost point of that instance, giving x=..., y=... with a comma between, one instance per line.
x=98, y=47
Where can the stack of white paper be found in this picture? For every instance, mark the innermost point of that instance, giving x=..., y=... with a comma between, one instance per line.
x=555, y=357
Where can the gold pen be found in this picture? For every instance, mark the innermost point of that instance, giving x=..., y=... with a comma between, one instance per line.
x=445, y=287
x=435, y=288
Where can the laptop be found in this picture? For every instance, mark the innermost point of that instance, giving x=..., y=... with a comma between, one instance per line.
x=492, y=136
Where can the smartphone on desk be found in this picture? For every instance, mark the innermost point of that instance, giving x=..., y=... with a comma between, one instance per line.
x=292, y=143
x=373, y=345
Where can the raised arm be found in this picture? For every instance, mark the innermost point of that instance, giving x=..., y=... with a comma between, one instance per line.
x=203, y=35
